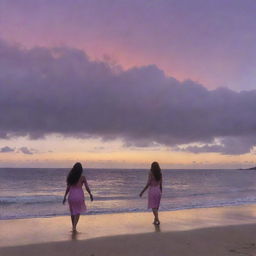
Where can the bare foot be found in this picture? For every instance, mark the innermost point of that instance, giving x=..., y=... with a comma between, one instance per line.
x=157, y=222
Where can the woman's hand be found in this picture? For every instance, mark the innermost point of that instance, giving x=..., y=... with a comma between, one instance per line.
x=91, y=197
x=64, y=200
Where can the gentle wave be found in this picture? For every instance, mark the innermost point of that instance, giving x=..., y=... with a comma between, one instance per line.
x=134, y=210
x=50, y=199
x=34, y=193
x=29, y=200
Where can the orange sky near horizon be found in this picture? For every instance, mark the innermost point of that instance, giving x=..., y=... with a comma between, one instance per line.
x=95, y=153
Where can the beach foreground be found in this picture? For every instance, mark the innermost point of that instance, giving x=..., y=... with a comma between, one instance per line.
x=212, y=231
x=232, y=240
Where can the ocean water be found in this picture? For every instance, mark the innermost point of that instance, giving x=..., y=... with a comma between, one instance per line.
x=26, y=193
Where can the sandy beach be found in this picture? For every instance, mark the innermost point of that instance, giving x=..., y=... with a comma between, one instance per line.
x=211, y=231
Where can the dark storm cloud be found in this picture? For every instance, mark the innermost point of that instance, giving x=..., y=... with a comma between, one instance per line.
x=61, y=90
x=6, y=149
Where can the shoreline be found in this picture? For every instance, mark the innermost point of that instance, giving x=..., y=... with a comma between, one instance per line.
x=128, y=212
x=20, y=232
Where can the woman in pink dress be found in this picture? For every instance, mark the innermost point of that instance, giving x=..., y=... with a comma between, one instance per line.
x=155, y=190
x=75, y=182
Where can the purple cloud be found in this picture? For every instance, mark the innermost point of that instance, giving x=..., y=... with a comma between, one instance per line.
x=6, y=149
x=214, y=41
x=60, y=90
x=26, y=151
x=227, y=146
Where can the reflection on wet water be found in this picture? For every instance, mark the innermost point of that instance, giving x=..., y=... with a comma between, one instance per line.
x=74, y=235
x=157, y=228
x=42, y=230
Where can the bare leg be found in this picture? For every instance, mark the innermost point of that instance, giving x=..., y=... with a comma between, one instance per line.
x=76, y=219
x=73, y=222
x=155, y=212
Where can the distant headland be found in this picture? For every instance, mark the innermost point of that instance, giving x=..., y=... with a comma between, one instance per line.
x=252, y=168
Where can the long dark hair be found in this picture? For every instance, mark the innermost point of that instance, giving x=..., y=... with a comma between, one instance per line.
x=156, y=171
x=74, y=174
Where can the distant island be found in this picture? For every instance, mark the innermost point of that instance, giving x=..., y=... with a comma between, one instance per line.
x=252, y=168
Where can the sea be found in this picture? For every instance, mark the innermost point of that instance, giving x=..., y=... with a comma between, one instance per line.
x=35, y=192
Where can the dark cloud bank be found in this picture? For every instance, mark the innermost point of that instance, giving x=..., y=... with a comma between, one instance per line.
x=23, y=150
x=6, y=149
x=61, y=90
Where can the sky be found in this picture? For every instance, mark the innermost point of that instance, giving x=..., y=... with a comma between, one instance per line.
x=119, y=84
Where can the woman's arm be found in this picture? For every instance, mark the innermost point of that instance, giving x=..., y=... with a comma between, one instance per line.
x=66, y=193
x=147, y=185
x=88, y=189
x=161, y=186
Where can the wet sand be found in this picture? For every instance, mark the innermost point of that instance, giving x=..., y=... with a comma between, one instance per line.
x=211, y=231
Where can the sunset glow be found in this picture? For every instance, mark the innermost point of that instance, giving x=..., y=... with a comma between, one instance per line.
x=121, y=84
